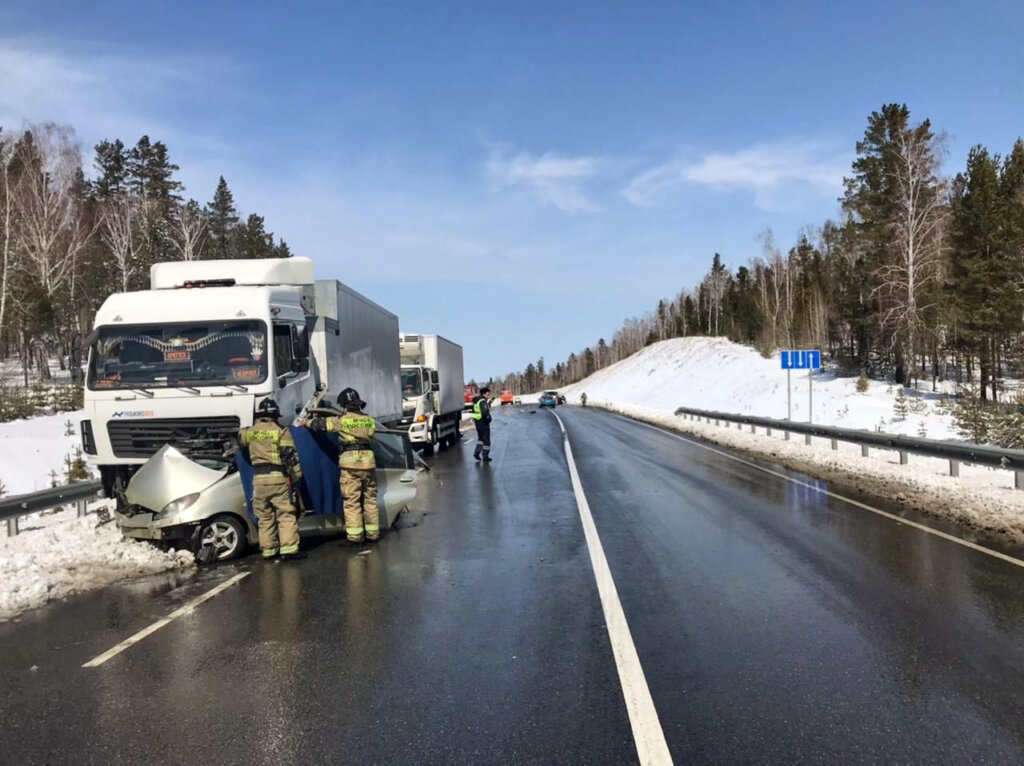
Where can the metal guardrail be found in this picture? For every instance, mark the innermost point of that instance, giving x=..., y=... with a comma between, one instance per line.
x=955, y=452
x=19, y=505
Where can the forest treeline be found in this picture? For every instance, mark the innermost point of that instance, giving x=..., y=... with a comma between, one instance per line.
x=920, y=280
x=69, y=238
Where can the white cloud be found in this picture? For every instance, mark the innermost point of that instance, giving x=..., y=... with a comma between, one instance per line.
x=104, y=94
x=646, y=188
x=555, y=180
x=773, y=172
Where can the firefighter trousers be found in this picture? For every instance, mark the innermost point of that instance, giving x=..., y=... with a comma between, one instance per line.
x=276, y=518
x=359, y=493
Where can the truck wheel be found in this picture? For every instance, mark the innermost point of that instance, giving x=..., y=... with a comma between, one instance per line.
x=226, y=535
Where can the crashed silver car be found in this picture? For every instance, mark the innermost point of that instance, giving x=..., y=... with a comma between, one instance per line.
x=199, y=503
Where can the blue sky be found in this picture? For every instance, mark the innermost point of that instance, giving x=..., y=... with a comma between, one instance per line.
x=518, y=176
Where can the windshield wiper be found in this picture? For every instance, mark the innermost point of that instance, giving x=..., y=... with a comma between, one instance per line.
x=143, y=392
x=190, y=389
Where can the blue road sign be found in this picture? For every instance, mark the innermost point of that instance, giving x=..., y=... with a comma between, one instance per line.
x=801, y=360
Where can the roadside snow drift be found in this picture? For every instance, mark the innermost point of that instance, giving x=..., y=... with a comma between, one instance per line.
x=715, y=374
x=47, y=564
x=30, y=449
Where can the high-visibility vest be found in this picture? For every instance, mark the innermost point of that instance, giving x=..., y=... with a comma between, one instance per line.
x=478, y=411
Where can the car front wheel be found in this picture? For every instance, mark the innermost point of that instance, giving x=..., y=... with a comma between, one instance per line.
x=223, y=537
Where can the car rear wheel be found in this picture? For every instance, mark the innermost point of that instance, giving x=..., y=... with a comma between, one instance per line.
x=226, y=536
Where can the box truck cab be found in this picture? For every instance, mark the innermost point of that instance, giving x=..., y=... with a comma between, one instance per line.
x=431, y=390
x=186, y=362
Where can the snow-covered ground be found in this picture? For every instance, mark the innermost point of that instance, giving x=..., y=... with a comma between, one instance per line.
x=30, y=449
x=714, y=374
x=75, y=555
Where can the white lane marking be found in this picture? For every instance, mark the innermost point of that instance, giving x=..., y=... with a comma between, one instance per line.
x=651, y=746
x=843, y=498
x=132, y=640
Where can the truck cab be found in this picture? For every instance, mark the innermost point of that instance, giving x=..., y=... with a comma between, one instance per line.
x=431, y=402
x=186, y=362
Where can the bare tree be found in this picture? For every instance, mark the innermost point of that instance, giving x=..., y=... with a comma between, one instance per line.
x=6, y=226
x=914, y=266
x=190, y=231
x=121, y=218
x=52, y=235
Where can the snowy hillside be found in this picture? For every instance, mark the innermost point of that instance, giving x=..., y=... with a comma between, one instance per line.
x=715, y=374
x=30, y=449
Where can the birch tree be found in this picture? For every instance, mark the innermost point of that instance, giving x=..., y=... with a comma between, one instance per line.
x=190, y=231
x=122, y=236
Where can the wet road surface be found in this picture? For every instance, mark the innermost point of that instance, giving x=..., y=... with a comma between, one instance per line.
x=774, y=624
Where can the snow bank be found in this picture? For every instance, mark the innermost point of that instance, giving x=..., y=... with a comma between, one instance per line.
x=31, y=448
x=71, y=557
x=716, y=374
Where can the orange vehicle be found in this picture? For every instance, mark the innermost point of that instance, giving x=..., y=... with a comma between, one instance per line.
x=507, y=397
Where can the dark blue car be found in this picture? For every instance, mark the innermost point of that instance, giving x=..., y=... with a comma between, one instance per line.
x=549, y=399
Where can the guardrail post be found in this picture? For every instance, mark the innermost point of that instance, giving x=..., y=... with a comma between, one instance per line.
x=12, y=526
x=83, y=508
x=753, y=428
x=954, y=467
x=787, y=435
x=835, y=444
x=863, y=450
x=807, y=439
x=1018, y=479
x=904, y=457
x=769, y=431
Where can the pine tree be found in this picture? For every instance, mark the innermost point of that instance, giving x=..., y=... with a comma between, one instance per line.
x=111, y=164
x=253, y=241
x=979, y=272
x=862, y=383
x=223, y=223
x=900, y=406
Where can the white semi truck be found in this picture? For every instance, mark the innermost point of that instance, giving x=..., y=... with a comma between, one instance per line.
x=432, y=388
x=186, y=362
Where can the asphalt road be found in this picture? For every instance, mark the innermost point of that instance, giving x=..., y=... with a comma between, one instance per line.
x=774, y=625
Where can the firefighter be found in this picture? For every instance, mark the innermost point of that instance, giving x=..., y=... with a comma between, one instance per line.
x=482, y=421
x=358, y=466
x=276, y=469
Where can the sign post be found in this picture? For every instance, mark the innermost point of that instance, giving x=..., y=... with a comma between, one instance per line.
x=800, y=360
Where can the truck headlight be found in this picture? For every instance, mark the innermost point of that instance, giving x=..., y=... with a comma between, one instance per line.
x=179, y=505
x=421, y=419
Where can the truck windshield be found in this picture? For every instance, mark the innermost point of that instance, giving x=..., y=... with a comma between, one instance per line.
x=173, y=355
x=412, y=382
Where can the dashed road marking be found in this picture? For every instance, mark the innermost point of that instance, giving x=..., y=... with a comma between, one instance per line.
x=651, y=746
x=843, y=498
x=132, y=640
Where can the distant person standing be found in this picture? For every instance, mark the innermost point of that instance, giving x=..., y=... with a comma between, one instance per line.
x=482, y=421
x=583, y=398
x=358, y=466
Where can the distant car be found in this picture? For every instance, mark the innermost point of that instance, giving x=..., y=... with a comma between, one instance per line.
x=517, y=400
x=548, y=399
x=507, y=397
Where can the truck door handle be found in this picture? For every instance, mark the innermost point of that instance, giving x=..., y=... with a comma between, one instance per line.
x=298, y=408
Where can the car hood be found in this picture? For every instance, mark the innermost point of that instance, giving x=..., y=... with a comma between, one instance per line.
x=167, y=476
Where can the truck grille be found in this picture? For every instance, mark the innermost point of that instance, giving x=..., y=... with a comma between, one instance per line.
x=142, y=438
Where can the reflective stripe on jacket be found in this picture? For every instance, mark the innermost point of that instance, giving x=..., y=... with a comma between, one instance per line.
x=355, y=430
x=271, y=449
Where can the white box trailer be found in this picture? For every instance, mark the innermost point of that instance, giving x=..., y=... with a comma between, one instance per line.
x=187, y=362
x=432, y=389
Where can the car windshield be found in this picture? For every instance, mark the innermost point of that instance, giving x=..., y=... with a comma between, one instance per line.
x=412, y=383
x=173, y=355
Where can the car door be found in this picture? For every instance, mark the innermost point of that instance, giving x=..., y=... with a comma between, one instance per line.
x=396, y=474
